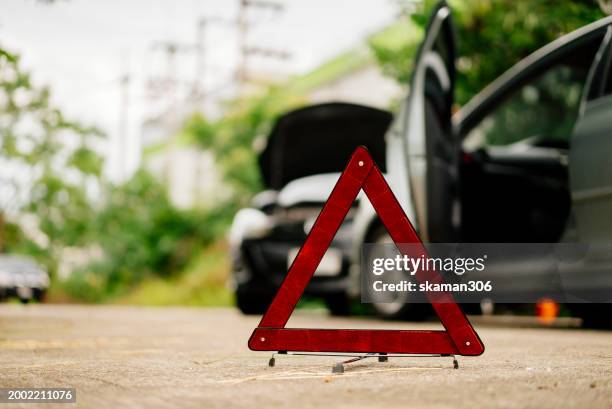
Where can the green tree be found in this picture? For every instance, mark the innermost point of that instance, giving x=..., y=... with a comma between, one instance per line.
x=48, y=164
x=52, y=175
x=140, y=234
x=232, y=138
x=492, y=36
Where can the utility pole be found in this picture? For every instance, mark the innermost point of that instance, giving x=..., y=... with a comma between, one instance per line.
x=199, y=90
x=166, y=86
x=122, y=139
x=199, y=80
x=243, y=25
x=169, y=87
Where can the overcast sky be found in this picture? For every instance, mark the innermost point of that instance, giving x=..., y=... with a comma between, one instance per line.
x=81, y=47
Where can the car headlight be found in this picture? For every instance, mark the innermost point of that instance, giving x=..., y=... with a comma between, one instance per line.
x=37, y=279
x=44, y=280
x=6, y=280
x=18, y=280
x=308, y=223
x=249, y=223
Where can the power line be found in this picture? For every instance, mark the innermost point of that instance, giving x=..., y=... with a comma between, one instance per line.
x=245, y=50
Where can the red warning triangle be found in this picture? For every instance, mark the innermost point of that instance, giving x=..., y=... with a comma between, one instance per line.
x=459, y=338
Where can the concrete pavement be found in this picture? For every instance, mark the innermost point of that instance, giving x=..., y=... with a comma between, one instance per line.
x=197, y=358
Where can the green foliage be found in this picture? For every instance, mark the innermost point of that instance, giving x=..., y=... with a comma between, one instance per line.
x=17, y=242
x=492, y=36
x=547, y=108
x=203, y=283
x=125, y=233
x=141, y=240
x=396, y=58
x=47, y=164
x=232, y=138
x=335, y=68
x=140, y=234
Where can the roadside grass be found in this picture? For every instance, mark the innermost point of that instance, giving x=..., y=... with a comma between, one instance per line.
x=203, y=283
x=56, y=294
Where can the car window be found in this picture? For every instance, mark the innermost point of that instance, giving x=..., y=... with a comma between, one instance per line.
x=544, y=106
x=607, y=89
x=597, y=82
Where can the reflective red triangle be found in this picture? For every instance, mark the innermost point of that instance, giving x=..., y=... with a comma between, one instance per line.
x=459, y=338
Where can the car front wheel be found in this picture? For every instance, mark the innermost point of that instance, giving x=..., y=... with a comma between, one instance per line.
x=401, y=306
x=252, y=304
x=338, y=304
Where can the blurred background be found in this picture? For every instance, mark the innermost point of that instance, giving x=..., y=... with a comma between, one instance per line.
x=129, y=131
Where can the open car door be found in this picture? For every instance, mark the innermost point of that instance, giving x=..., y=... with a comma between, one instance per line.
x=422, y=152
x=590, y=152
x=590, y=169
x=422, y=149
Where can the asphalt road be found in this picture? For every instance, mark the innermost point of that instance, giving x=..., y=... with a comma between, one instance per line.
x=120, y=357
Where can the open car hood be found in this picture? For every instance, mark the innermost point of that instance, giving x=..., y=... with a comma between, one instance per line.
x=320, y=139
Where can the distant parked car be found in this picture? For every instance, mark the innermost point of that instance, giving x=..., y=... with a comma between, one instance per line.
x=23, y=278
x=305, y=153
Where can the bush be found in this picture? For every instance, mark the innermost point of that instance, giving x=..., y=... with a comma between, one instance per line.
x=141, y=234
